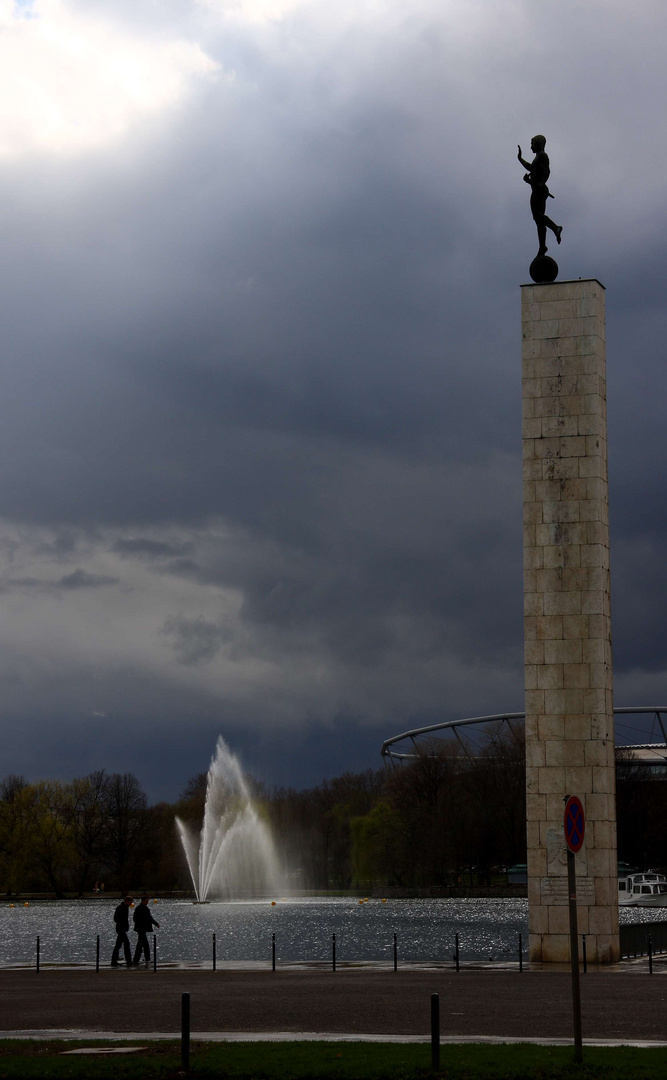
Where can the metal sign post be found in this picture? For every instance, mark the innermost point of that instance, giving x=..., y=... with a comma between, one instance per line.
x=574, y=836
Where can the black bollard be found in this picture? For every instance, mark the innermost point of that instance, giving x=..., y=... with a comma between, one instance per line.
x=154, y=953
x=456, y=950
x=215, y=959
x=273, y=952
x=37, y=956
x=520, y=952
x=334, y=952
x=583, y=952
x=395, y=953
x=435, y=1033
x=185, y=1032
x=650, y=955
x=97, y=954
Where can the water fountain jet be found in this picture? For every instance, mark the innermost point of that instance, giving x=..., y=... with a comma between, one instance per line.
x=234, y=854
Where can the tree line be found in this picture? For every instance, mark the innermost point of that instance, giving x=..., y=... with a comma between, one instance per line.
x=429, y=822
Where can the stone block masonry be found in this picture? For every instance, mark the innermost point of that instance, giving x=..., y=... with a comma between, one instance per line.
x=568, y=664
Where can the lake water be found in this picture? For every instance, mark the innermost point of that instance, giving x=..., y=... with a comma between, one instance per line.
x=303, y=928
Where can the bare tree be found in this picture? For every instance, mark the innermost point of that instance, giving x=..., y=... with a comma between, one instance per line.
x=125, y=807
x=90, y=826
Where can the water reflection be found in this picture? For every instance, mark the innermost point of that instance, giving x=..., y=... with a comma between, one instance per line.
x=303, y=929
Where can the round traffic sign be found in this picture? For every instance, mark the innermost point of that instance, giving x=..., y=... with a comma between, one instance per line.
x=575, y=826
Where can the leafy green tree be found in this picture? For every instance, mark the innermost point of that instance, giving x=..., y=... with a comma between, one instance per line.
x=377, y=838
x=50, y=816
x=13, y=832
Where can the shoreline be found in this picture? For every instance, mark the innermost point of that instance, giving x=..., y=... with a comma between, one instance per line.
x=389, y=892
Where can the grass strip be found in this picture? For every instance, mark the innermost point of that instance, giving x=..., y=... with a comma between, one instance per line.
x=21, y=1060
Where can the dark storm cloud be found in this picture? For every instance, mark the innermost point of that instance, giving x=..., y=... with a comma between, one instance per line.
x=195, y=640
x=261, y=366
x=81, y=579
x=78, y=579
x=151, y=549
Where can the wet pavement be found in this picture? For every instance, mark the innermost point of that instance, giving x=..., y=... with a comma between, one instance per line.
x=620, y=1004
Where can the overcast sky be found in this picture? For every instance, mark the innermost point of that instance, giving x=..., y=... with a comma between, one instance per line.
x=260, y=401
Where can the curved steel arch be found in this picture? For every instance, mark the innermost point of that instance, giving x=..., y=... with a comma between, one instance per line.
x=393, y=756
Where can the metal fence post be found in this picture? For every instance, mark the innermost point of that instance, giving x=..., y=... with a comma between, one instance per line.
x=650, y=955
x=334, y=952
x=583, y=952
x=185, y=1032
x=215, y=959
x=37, y=968
x=97, y=954
x=154, y=953
x=435, y=1033
x=456, y=950
x=520, y=952
x=395, y=953
x=273, y=952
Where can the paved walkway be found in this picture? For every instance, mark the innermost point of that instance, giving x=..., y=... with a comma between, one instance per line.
x=73, y=1035
x=621, y=1006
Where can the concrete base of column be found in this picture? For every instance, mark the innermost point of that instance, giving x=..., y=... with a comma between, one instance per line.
x=568, y=664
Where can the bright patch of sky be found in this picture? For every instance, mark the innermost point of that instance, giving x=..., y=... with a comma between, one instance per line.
x=256, y=11
x=70, y=82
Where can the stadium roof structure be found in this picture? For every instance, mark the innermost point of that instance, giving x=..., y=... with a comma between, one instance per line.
x=405, y=747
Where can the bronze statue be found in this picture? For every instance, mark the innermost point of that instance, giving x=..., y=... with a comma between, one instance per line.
x=537, y=176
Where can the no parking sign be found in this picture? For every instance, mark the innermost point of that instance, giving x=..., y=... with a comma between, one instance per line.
x=575, y=825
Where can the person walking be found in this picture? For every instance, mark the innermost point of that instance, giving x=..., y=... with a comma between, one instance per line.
x=121, y=917
x=143, y=924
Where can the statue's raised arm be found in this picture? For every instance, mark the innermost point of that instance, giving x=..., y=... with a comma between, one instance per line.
x=526, y=164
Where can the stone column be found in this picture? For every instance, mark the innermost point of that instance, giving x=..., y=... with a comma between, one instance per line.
x=568, y=668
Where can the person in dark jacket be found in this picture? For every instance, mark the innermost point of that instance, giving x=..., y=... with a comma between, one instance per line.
x=143, y=924
x=121, y=917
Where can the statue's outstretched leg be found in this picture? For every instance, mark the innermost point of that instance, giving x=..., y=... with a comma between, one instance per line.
x=556, y=229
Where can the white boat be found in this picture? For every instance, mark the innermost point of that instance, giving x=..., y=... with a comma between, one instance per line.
x=643, y=890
